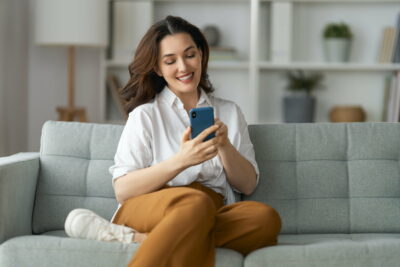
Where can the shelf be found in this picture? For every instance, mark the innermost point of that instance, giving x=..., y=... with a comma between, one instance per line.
x=334, y=1
x=199, y=1
x=222, y=64
x=329, y=66
x=231, y=65
x=265, y=65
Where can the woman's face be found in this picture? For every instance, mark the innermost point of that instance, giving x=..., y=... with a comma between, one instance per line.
x=179, y=62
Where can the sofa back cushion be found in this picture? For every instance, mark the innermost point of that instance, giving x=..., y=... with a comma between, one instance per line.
x=330, y=178
x=322, y=178
x=74, y=161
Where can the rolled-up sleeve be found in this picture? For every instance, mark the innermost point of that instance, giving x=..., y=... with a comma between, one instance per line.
x=134, y=147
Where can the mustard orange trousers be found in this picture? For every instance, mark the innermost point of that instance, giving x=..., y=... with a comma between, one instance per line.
x=186, y=224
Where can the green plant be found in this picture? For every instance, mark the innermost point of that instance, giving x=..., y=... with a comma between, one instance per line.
x=337, y=30
x=300, y=81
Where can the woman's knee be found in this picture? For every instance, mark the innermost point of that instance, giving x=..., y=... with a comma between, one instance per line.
x=267, y=219
x=197, y=203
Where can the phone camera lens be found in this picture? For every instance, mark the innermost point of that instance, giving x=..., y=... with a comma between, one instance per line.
x=193, y=115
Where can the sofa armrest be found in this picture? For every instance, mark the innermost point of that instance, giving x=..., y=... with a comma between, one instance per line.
x=18, y=177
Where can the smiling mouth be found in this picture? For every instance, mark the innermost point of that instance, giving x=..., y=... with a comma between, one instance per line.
x=186, y=77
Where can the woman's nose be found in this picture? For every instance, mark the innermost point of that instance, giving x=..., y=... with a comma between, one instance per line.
x=182, y=66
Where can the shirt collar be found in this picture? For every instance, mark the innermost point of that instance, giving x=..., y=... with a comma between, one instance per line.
x=204, y=99
x=168, y=96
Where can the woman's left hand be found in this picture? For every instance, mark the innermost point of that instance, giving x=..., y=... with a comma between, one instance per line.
x=221, y=134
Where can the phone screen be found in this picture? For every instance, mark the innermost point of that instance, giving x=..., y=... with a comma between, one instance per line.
x=201, y=119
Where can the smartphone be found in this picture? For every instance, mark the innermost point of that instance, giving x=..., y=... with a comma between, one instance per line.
x=201, y=119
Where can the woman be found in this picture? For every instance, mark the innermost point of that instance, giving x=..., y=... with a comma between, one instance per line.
x=177, y=192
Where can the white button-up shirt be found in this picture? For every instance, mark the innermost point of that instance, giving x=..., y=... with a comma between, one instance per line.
x=153, y=133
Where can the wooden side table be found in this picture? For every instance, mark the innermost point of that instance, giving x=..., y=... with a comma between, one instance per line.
x=71, y=113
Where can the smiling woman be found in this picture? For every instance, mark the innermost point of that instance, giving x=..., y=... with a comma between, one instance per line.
x=176, y=192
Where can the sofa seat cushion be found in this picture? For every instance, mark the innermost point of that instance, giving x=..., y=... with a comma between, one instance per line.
x=56, y=249
x=329, y=250
x=44, y=250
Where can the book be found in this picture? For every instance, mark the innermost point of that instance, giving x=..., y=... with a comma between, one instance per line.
x=393, y=102
x=386, y=97
x=396, y=84
x=396, y=45
x=387, y=45
x=392, y=96
x=114, y=88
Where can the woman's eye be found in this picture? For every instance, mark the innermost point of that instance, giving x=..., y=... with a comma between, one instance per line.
x=187, y=56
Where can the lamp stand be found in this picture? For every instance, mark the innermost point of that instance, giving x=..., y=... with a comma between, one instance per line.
x=70, y=113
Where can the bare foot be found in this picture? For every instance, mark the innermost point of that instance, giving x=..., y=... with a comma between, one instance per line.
x=139, y=237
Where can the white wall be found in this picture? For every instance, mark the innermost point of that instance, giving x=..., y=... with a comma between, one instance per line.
x=2, y=94
x=48, y=83
x=33, y=79
x=14, y=74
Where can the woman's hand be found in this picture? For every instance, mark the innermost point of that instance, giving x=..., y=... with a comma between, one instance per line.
x=221, y=135
x=195, y=151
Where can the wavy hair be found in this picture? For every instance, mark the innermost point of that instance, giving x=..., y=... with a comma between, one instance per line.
x=144, y=83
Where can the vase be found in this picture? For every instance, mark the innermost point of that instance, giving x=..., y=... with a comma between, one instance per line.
x=347, y=114
x=212, y=35
x=337, y=49
x=298, y=109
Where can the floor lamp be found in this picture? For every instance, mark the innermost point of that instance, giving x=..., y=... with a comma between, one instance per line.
x=71, y=23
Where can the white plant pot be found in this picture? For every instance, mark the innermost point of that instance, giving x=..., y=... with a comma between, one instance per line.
x=337, y=49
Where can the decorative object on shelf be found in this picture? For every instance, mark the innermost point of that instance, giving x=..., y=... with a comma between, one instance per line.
x=218, y=52
x=347, y=114
x=337, y=42
x=212, y=34
x=71, y=23
x=299, y=106
x=114, y=88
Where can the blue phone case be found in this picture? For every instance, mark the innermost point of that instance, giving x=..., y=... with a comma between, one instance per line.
x=201, y=119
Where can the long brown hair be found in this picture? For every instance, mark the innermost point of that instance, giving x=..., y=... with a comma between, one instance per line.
x=144, y=83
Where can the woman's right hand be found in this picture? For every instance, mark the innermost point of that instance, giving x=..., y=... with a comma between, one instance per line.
x=195, y=151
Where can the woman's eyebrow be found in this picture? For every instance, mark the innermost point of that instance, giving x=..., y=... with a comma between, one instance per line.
x=188, y=48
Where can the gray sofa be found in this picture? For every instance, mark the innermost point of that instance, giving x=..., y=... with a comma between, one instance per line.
x=336, y=186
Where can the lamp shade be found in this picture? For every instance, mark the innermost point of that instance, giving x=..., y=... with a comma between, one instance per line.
x=71, y=22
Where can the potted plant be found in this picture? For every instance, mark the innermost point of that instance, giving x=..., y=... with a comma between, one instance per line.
x=337, y=42
x=299, y=105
